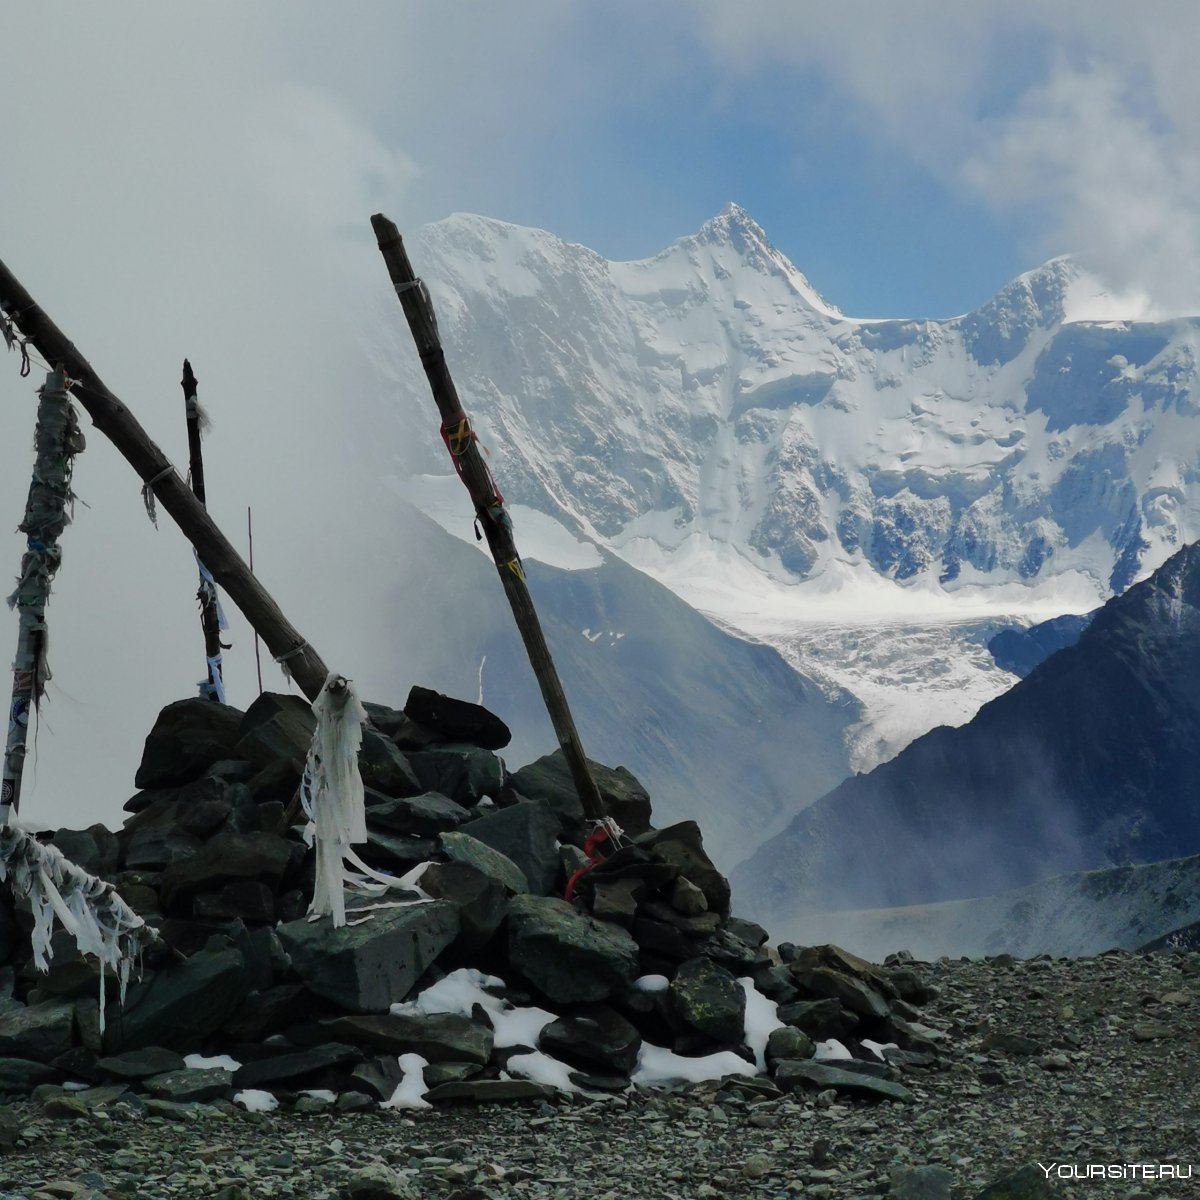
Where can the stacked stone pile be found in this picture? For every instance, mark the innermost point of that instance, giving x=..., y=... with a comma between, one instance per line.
x=644, y=954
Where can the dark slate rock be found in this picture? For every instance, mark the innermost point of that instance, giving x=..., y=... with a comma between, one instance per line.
x=95, y=849
x=820, y=1019
x=158, y=846
x=748, y=931
x=269, y=1011
x=464, y=773
x=12, y=937
x=277, y=782
x=384, y=767
x=791, y=1075
x=263, y=953
x=244, y=900
x=482, y=901
x=702, y=925
x=929, y=1182
x=202, y=820
x=378, y=1076
x=190, y=1085
x=139, y=1064
x=436, y=1037
x=789, y=1043
x=837, y=959
x=594, y=1036
x=852, y=993
x=276, y=727
x=423, y=815
x=19, y=1076
x=1018, y=1044
x=776, y=983
x=910, y=986
x=367, y=967
x=457, y=720
x=395, y=853
x=682, y=846
x=687, y=899
x=451, y=1072
x=708, y=999
x=617, y=900
x=180, y=1006
x=665, y=941
x=527, y=834
x=295, y=1067
x=41, y=1032
x=187, y=738
x=261, y=857
x=461, y=847
x=548, y=781
x=77, y=1063
x=568, y=956
x=490, y=1091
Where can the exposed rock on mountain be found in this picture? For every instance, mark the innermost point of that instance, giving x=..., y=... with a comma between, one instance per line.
x=1090, y=761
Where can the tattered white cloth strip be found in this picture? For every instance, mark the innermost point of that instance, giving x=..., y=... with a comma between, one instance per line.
x=88, y=908
x=331, y=793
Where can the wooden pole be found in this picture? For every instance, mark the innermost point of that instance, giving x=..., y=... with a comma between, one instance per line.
x=489, y=505
x=213, y=688
x=122, y=428
x=47, y=513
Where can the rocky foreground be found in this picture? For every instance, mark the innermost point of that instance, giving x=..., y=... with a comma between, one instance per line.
x=1076, y=1063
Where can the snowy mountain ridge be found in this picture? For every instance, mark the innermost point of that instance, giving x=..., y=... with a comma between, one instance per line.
x=709, y=417
x=710, y=392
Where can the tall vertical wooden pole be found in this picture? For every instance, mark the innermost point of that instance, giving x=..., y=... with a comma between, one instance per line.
x=213, y=688
x=47, y=512
x=489, y=505
x=124, y=430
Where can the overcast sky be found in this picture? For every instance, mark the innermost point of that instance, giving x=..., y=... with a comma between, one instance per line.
x=197, y=180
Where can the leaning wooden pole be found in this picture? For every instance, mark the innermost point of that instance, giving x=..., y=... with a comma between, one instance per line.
x=56, y=441
x=489, y=504
x=162, y=481
x=213, y=687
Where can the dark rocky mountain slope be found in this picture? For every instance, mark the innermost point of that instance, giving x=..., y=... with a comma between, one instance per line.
x=1091, y=761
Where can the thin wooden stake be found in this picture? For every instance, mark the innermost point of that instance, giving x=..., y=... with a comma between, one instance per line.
x=213, y=688
x=250, y=539
x=489, y=505
x=123, y=429
x=47, y=512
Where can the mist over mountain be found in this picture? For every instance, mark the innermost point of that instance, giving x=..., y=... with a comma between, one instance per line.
x=1089, y=762
x=718, y=729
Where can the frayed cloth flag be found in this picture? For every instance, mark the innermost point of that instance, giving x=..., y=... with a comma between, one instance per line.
x=88, y=908
x=331, y=794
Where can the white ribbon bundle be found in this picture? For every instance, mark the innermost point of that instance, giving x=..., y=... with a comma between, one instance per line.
x=88, y=908
x=331, y=793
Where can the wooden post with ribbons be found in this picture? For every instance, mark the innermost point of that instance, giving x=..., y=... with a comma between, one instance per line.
x=57, y=440
x=211, y=617
x=489, y=504
x=162, y=481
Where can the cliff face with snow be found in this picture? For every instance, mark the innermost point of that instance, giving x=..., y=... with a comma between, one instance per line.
x=709, y=398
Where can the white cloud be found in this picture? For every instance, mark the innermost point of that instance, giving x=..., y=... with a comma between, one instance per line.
x=1081, y=121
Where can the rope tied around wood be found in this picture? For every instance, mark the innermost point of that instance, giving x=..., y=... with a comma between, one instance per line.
x=287, y=655
x=148, y=493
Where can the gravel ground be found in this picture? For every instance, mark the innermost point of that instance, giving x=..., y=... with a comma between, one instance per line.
x=1069, y=1061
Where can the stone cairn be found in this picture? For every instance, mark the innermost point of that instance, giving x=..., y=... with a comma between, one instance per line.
x=212, y=856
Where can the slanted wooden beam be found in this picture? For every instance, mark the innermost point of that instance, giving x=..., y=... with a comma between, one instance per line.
x=124, y=430
x=489, y=506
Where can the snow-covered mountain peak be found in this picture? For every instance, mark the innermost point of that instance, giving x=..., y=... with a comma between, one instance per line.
x=707, y=399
